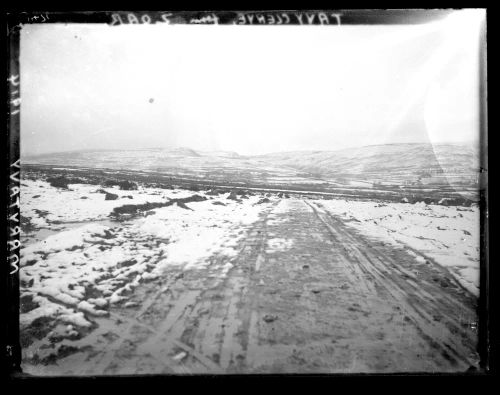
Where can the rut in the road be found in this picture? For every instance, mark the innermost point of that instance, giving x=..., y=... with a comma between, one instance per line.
x=195, y=311
x=305, y=294
x=424, y=300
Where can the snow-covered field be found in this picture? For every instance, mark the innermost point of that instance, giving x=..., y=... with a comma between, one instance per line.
x=77, y=262
x=448, y=235
x=75, y=268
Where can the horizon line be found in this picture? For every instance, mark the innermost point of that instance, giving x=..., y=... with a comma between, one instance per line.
x=232, y=151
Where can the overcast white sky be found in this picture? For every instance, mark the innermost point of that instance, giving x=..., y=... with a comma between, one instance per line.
x=250, y=89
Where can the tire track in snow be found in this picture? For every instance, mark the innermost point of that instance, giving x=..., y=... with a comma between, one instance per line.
x=418, y=307
x=218, y=329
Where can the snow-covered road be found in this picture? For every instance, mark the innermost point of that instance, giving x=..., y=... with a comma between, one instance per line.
x=284, y=285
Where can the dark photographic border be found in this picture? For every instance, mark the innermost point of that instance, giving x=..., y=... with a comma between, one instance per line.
x=16, y=20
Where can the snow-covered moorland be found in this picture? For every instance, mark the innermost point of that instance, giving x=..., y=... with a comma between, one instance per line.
x=76, y=262
x=448, y=235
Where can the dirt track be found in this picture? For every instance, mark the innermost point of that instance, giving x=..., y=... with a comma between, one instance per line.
x=331, y=300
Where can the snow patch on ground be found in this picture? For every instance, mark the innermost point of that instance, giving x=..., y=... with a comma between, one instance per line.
x=449, y=235
x=196, y=235
x=280, y=211
x=81, y=202
x=77, y=272
x=278, y=245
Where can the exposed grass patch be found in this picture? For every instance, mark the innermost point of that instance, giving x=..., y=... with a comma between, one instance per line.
x=27, y=304
x=124, y=185
x=136, y=209
x=38, y=329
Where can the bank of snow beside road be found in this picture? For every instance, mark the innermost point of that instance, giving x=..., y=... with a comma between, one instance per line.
x=77, y=273
x=449, y=235
x=47, y=207
x=193, y=235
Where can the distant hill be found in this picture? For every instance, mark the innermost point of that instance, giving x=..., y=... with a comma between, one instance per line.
x=410, y=165
x=223, y=154
x=181, y=151
x=378, y=160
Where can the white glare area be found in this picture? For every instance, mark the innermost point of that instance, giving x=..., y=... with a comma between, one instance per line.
x=249, y=89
